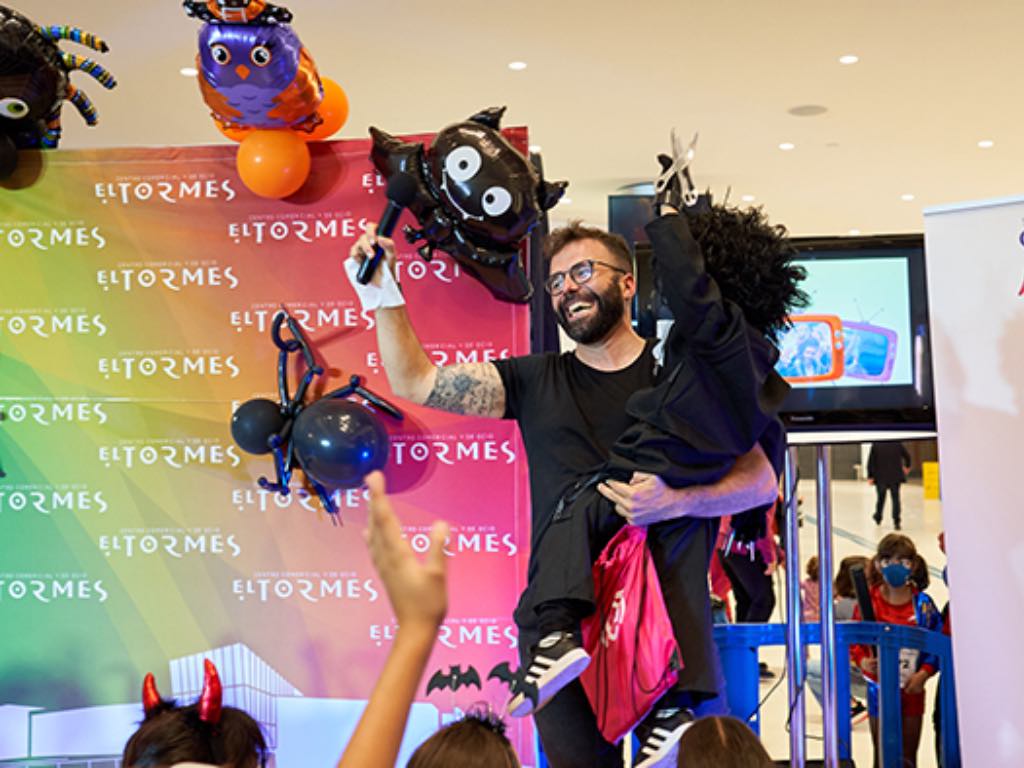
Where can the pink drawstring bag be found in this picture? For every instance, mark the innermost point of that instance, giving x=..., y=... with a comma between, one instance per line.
x=633, y=651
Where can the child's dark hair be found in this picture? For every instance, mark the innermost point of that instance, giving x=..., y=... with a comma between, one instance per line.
x=892, y=546
x=752, y=262
x=177, y=735
x=919, y=573
x=721, y=742
x=843, y=584
x=476, y=741
x=811, y=568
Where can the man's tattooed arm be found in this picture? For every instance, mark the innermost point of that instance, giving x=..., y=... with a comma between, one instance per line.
x=473, y=389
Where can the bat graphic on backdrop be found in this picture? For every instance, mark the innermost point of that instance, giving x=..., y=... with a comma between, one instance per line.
x=454, y=679
x=516, y=681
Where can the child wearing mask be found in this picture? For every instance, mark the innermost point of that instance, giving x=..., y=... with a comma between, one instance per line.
x=897, y=600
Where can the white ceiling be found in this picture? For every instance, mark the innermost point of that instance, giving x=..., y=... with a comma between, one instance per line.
x=607, y=80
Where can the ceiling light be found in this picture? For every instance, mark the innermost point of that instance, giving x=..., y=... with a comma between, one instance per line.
x=566, y=201
x=807, y=110
x=517, y=66
x=535, y=149
x=189, y=71
x=907, y=197
x=853, y=232
x=849, y=58
x=986, y=143
x=786, y=146
x=748, y=198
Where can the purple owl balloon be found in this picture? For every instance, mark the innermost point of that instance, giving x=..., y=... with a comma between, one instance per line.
x=477, y=198
x=259, y=76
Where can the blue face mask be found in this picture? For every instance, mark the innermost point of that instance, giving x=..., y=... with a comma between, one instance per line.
x=895, y=574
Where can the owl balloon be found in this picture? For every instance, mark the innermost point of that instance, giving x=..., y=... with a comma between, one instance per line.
x=258, y=76
x=476, y=198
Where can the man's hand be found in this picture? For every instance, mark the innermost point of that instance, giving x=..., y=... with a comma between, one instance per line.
x=644, y=500
x=362, y=249
x=915, y=683
x=417, y=591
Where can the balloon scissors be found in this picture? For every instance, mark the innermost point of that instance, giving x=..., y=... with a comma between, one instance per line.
x=679, y=168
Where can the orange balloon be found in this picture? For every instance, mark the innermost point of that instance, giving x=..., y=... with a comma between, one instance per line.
x=333, y=110
x=273, y=164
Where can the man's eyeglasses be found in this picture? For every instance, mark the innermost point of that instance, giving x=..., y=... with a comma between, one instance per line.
x=581, y=272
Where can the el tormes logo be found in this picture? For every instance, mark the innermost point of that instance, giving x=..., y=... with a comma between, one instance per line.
x=168, y=189
x=168, y=276
x=50, y=322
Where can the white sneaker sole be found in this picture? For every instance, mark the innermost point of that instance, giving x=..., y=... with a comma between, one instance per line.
x=569, y=667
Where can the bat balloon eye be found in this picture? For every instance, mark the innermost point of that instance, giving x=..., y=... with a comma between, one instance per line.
x=496, y=200
x=260, y=55
x=462, y=163
x=220, y=53
x=12, y=108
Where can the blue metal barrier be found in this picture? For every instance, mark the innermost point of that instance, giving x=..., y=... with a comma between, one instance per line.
x=738, y=645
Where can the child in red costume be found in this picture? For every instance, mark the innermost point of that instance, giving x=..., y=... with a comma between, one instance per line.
x=897, y=600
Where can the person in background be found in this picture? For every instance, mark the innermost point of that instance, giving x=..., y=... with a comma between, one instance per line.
x=722, y=742
x=844, y=600
x=947, y=629
x=810, y=592
x=750, y=555
x=476, y=741
x=896, y=600
x=888, y=466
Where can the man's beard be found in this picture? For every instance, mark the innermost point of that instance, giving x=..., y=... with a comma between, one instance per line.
x=608, y=313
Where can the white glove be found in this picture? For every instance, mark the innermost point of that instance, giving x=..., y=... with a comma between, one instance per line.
x=371, y=296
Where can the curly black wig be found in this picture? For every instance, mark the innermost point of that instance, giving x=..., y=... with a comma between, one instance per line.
x=752, y=262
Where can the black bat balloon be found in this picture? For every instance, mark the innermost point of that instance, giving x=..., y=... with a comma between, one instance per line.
x=516, y=681
x=476, y=198
x=454, y=679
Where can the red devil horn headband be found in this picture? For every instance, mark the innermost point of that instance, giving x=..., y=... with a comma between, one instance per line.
x=150, y=695
x=210, y=701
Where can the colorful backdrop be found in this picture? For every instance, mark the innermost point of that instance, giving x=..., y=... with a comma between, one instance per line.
x=134, y=317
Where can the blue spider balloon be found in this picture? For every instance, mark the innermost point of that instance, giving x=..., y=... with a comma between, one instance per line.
x=334, y=441
x=35, y=82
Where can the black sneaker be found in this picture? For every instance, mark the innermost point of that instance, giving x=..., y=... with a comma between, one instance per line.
x=764, y=672
x=557, y=660
x=659, y=735
x=877, y=519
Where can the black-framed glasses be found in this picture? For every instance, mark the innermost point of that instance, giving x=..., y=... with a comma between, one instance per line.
x=581, y=272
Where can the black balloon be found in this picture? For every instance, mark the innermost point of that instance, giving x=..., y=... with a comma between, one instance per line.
x=8, y=156
x=254, y=423
x=35, y=82
x=477, y=197
x=338, y=442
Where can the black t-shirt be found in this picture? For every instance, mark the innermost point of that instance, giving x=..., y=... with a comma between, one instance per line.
x=569, y=415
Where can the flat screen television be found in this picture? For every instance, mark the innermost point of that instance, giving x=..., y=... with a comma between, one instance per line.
x=859, y=356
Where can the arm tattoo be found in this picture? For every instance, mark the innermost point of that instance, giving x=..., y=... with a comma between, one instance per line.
x=473, y=389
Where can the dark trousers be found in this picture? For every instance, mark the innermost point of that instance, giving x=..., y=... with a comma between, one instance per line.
x=561, y=560
x=881, y=490
x=751, y=586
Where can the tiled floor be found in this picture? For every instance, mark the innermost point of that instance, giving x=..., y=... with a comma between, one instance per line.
x=854, y=532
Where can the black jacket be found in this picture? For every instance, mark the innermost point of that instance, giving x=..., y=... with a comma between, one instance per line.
x=886, y=462
x=720, y=393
